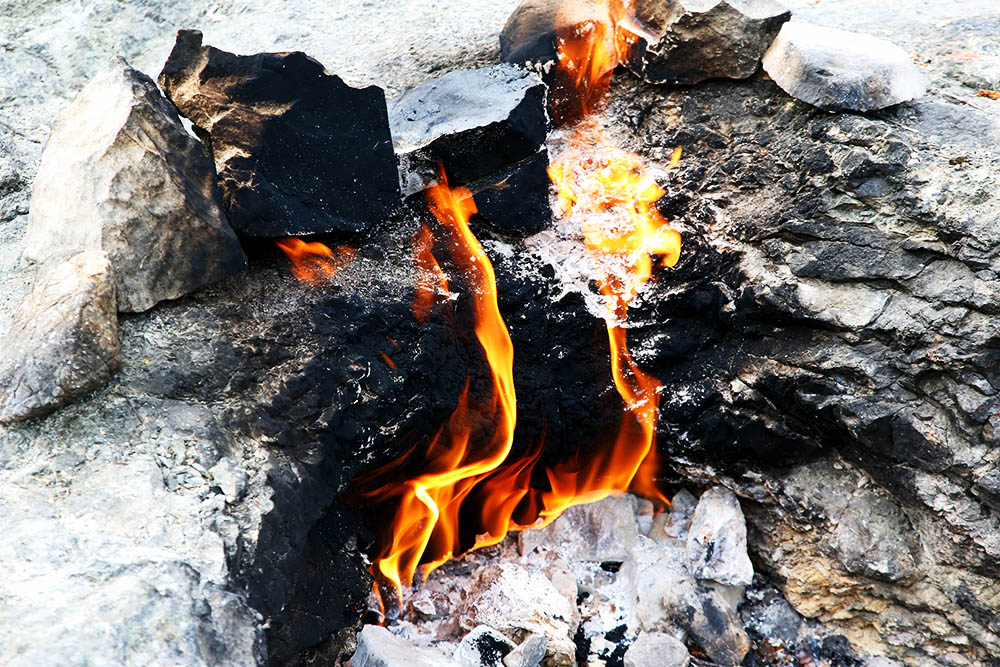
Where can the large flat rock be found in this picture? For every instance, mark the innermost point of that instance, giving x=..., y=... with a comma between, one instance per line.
x=298, y=151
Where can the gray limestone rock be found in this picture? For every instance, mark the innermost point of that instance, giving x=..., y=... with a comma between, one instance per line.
x=473, y=122
x=120, y=174
x=63, y=341
x=836, y=69
x=687, y=41
x=656, y=649
x=529, y=653
x=377, y=647
x=483, y=647
x=717, y=539
x=230, y=479
x=596, y=532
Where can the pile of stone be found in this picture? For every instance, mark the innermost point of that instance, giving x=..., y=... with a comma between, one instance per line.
x=610, y=582
x=689, y=41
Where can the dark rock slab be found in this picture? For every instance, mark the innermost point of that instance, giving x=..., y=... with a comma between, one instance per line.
x=474, y=122
x=63, y=341
x=836, y=69
x=298, y=150
x=121, y=175
x=516, y=199
x=687, y=41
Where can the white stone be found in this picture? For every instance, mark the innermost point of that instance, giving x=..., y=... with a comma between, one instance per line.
x=483, y=647
x=529, y=653
x=230, y=478
x=377, y=647
x=596, y=532
x=717, y=540
x=656, y=649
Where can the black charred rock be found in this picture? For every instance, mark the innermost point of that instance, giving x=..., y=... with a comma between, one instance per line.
x=687, y=41
x=474, y=122
x=298, y=151
x=516, y=200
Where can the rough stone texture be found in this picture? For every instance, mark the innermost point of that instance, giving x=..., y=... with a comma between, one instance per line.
x=474, y=122
x=516, y=199
x=529, y=653
x=513, y=600
x=529, y=36
x=377, y=647
x=755, y=377
x=120, y=175
x=836, y=69
x=600, y=531
x=63, y=341
x=298, y=151
x=688, y=41
x=717, y=540
x=656, y=649
x=483, y=647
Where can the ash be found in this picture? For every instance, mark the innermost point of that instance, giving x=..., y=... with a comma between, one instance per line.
x=610, y=583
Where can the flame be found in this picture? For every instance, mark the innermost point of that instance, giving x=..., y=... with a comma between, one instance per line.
x=432, y=283
x=314, y=262
x=613, y=196
x=425, y=525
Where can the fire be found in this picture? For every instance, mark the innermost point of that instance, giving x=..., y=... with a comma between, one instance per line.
x=315, y=263
x=613, y=196
x=425, y=526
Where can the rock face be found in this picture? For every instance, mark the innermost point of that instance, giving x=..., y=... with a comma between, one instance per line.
x=476, y=123
x=120, y=174
x=836, y=69
x=298, y=151
x=63, y=341
x=717, y=540
x=687, y=41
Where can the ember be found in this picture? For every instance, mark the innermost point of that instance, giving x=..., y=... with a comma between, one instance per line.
x=315, y=263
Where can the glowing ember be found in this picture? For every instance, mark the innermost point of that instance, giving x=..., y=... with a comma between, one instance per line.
x=315, y=263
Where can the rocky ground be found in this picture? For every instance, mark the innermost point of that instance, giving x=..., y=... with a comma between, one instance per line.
x=828, y=342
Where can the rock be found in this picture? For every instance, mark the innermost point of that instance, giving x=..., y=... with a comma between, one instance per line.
x=298, y=151
x=516, y=199
x=674, y=523
x=596, y=532
x=119, y=174
x=475, y=122
x=377, y=647
x=483, y=647
x=656, y=649
x=717, y=540
x=688, y=41
x=667, y=597
x=63, y=341
x=529, y=653
x=529, y=36
x=836, y=69
x=230, y=479
x=516, y=600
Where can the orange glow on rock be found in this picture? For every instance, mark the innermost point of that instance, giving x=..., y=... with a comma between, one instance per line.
x=315, y=263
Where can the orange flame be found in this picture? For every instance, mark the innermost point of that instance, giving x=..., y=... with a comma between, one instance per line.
x=425, y=526
x=314, y=262
x=613, y=196
x=432, y=283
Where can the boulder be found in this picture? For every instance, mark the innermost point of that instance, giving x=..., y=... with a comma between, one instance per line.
x=63, y=341
x=717, y=540
x=473, y=122
x=836, y=69
x=656, y=649
x=687, y=41
x=377, y=647
x=119, y=174
x=298, y=150
x=529, y=37
x=483, y=647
